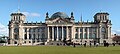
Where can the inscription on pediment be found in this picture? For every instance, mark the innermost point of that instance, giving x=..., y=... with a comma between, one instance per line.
x=60, y=21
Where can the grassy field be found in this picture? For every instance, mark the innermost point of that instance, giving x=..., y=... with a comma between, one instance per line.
x=58, y=50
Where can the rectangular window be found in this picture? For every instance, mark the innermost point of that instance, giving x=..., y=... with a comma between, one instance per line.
x=81, y=36
x=76, y=29
x=90, y=35
x=85, y=36
x=85, y=29
x=94, y=29
x=25, y=36
x=76, y=36
x=34, y=30
x=81, y=29
x=38, y=29
x=25, y=29
x=30, y=36
x=90, y=29
x=93, y=35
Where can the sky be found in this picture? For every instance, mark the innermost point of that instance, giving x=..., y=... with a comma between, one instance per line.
x=35, y=10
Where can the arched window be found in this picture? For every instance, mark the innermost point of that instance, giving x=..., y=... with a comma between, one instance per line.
x=103, y=29
x=16, y=30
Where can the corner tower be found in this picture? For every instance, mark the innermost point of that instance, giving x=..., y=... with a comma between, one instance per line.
x=15, y=28
x=104, y=26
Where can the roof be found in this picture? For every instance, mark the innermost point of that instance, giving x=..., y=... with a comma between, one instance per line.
x=59, y=14
x=17, y=14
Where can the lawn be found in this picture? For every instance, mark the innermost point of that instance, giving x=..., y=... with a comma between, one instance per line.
x=58, y=50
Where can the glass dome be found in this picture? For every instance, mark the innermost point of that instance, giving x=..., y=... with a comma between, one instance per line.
x=59, y=14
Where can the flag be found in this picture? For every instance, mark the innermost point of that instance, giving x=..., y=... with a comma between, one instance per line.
x=81, y=20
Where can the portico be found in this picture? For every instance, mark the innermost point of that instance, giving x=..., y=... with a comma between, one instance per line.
x=59, y=33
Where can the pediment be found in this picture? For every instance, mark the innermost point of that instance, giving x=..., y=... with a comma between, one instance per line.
x=60, y=20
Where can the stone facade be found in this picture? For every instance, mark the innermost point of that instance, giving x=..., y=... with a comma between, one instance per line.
x=59, y=27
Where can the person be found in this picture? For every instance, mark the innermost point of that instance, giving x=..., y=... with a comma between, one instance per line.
x=94, y=43
x=90, y=44
x=113, y=44
x=107, y=44
x=74, y=45
x=97, y=44
x=84, y=44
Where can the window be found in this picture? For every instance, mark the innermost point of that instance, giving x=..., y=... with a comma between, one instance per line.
x=34, y=36
x=85, y=29
x=29, y=36
x=16, y=37
x=81, y=30
x=81, y=36
x=93, y=36
x=25, y=29
x=76, y=36
x=85, y=36
x=16, y=30
x=90, y=29
x=76, y=29
x=94, y=29
x=34, y=30
x=38, y=29
x=103, y=29
x=90, y=35
x=30, y=30
x=25, y=36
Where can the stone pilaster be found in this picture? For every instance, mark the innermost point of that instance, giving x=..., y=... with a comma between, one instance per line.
x=62, y=34
x=97, y=33
x=57, y=34
x=87, y=33
x=27, y=35
x=78, y=33
x=11, y=35
x=67, y=33
x=83, y=32
x=20, y=39
x=48, y=37
x=52, y=33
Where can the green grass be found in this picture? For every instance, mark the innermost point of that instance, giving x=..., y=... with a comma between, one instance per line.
x=58, y=50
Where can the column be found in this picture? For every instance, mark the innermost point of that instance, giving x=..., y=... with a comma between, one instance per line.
x=57, y=34
x=108, y=32
x=97, y=33
x=101, y=38
x=52, y=33
x=20, y=35
x=62, y=34
x=87, y=32
x=83, y=32
x=11, y=35
x=67, y=37
x=48, y=34
x=73, y=33
x=27, y=35
x=78, y=33
x=100, y=33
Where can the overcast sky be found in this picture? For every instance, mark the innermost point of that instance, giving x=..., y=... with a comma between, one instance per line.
x=35, y=10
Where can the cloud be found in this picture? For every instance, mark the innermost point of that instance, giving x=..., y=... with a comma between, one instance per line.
x=117, y=31
x=3, y=30
x=31, y=14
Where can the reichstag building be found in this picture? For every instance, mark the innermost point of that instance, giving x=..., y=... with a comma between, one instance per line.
x=59, y=27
